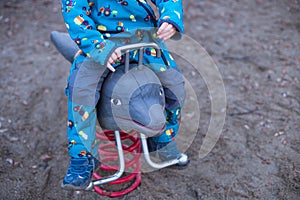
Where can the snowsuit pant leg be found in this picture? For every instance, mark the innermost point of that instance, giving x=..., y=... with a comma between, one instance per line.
x=172, y=81
x=83, y=94
x=175, y=93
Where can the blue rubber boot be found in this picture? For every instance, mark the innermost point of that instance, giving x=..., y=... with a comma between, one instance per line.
x=80, y=173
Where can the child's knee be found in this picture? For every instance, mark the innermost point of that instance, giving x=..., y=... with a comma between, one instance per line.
x=84, y=83
x=173, y=83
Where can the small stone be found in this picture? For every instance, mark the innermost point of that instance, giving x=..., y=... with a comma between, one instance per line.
x=262, y=123
x=284, y=142
x=45, y=157
x=284, y=71
x=246, y=127
x=266, y=162
x=46, y=91
x=284, y=94
x=9, y=33
x=280, y=132
x=24, y=102
x=18, y=164
x=6, y=20
x=47, y=44
x=10, y=161
x=13, y=139
x=3, y=130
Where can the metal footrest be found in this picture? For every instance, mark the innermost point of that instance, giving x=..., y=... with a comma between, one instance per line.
x=121, y=168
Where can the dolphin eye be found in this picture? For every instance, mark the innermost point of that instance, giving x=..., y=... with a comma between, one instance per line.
x=116, y=101
x=161, y=91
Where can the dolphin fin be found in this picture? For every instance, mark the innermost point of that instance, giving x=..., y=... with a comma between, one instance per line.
x=64, y=44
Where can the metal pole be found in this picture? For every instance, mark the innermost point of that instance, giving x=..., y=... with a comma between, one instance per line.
x=148, y=159
x=119, y=173
x=126, y=61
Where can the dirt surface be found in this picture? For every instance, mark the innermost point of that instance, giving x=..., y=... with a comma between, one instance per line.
x=256, y=47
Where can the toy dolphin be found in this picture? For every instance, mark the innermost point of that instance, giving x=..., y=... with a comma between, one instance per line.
x=131, y=99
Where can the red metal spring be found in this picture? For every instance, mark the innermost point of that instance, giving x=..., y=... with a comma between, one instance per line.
x=108, y=153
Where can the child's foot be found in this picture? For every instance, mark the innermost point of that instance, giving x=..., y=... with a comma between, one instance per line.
x=79, y=173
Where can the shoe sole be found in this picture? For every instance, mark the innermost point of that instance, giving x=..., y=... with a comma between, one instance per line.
x=72, y=187
x=180, y=166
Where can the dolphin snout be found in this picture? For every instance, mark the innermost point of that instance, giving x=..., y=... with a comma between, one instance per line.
x=157, y=117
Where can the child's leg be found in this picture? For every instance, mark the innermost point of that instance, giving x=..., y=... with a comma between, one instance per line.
x=82, y=140
x=83, y=94
x=173, y=83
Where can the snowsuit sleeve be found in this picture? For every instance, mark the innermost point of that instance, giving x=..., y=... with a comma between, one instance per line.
x=83, y=30
x=171, y=12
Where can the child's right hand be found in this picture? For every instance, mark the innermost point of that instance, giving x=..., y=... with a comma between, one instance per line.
x=112, y=59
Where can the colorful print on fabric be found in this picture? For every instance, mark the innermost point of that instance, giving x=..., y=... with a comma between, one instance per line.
x=71, y=143
x=80, y=110
x=84, y=24
x=83, y=135
x=70, y=124
x=84, y=153
x=124, y=3
x=70, y=5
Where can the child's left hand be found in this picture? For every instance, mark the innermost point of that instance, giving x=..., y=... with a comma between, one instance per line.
x=166, y=31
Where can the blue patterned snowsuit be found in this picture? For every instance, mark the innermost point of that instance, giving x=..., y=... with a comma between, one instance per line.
x=94, y=26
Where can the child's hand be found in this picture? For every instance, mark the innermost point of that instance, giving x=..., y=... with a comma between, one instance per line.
x=166, y=31
x=112, y=59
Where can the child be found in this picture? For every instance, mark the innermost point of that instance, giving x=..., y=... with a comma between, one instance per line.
x=93, y=24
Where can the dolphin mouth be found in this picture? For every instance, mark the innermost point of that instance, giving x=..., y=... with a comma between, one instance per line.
x=142, y=128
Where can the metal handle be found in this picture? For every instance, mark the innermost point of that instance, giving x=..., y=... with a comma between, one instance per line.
x=141, y=47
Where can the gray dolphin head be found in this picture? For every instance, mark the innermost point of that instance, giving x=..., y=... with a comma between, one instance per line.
x=132, y=101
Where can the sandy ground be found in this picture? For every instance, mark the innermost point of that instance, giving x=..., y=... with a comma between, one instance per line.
x=256, y=47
